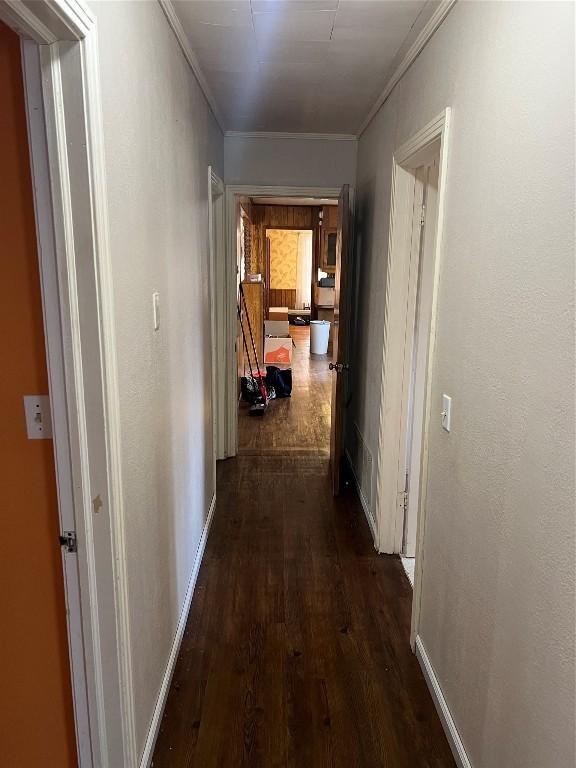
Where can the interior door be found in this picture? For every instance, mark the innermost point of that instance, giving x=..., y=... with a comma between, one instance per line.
x=339, y=364
x=37, y=723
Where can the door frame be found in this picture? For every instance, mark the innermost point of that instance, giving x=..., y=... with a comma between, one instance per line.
x=63, y=105
x=401, y=284
x=267, y=265
x=416, y=353
x=226, y=293
x=217, y=244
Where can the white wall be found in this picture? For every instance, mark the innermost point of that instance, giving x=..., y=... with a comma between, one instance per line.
x=498, y=596
x=289, y=162
x=160, y=137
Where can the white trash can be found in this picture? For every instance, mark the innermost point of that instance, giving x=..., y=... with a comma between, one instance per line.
x=319, y=333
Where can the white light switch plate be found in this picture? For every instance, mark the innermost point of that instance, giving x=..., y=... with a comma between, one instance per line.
x=446, y=412
x=156, y=310
x=38, y=417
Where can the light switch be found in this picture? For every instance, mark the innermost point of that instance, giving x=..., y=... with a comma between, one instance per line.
x=446, y=412
x=156, y=310
x=38, y=417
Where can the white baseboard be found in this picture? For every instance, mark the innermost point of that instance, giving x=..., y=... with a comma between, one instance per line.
x=169, y=671
x=363, y=501
x=448, y=724
x=409, y=565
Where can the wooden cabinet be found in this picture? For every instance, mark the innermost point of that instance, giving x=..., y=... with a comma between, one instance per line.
x=329, y=233
x=328, y=251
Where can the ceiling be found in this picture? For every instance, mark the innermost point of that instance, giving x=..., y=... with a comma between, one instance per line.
x=302, y=66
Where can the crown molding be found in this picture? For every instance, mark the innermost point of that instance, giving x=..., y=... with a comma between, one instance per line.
x=283, y=135
x=443, y=9
x=172, y=17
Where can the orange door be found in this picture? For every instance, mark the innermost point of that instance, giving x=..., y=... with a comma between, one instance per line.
x=36, y=713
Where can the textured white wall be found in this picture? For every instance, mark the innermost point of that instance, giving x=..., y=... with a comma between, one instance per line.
x=498, y=597
x=160, y=138
x=289, y=162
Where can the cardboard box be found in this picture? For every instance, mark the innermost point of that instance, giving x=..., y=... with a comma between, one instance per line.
x=277, y=351
x=278, y=313
x=276, y=328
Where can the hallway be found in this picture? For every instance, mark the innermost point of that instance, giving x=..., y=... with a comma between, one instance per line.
x=401, y=170
x=296, y=651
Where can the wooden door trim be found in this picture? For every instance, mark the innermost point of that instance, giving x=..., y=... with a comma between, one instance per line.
x=389, y=514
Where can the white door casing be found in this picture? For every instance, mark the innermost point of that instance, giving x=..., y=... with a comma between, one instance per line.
x=418, y=351
x=401, y=282
x=60, y=62
x=226, y=293
x=217, y=279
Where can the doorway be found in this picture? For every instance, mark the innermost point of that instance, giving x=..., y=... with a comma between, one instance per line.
x=216, y=249
x=416, y=350
x=288, y=270
x=59, y=60
x=280, y=249
x=268, y=214
x=37, y=689
x=412, y=278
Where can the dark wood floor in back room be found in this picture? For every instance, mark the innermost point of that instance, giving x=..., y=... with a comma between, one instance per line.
x=296, y=651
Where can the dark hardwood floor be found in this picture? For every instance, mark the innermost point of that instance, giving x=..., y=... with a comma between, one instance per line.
x=296, y=651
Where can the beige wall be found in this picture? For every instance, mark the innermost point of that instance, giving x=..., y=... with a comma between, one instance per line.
x=160, y=138
x=289, y=161
x=498, y=596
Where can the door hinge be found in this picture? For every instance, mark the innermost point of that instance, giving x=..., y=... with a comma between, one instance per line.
x=68, y=540
x=423, y=215
x=404, y=497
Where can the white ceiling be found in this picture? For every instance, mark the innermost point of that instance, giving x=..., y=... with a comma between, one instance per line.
x=304, y=66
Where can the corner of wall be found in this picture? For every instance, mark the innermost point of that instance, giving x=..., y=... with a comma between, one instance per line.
x=361, y=463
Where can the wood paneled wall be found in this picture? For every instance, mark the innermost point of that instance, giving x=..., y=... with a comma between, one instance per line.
x=282, y=297
x=254, y=295
x=330, y=216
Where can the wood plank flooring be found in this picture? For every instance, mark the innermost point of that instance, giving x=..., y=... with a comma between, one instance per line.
x=296, y=652
x=297, y=424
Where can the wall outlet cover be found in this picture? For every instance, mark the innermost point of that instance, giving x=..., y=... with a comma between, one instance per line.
x=38, y=417
x=446, y=412
x=156, y=310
